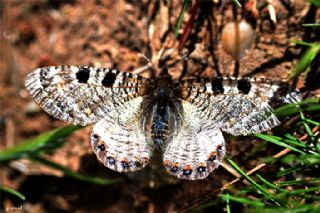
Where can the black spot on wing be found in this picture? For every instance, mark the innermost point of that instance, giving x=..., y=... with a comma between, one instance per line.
x=109, y=79
x=83, y=75
x=44, y=72
x=45, y=82
x=187, y=172
x=111, y=160
x=201, y=169
x=137, y=163
x=174, y=169
x=101, y=147
x=217, y=86
x=125, y=164
x=244, y=86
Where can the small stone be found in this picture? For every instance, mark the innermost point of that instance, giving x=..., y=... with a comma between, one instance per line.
x=237, y=37
x=32, y=108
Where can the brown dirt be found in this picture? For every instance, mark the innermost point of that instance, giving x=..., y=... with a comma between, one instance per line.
x=106, y=33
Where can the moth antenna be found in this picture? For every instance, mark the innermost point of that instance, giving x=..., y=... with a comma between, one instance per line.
x=160, y=53
x=149, y=67
x=185, y=57
x=141, y=55
x=141, y=69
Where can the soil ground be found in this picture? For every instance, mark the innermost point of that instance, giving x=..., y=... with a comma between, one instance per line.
x=111, y=33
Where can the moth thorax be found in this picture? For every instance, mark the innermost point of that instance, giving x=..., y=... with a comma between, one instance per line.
x=160, y=123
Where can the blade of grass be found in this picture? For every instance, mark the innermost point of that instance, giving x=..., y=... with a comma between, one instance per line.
x=307, y=105
x=299, y=191
x=38, y=143
x=306, y=125
x=242, y=200
x=304, y=43
x=299, y=182
x=291, y=137
x=299, y=144
x=314, y=107
x=305, y=208
x=68, y=172
x=228, y=203
x=305, y=160
x=315, y=2
x=311, y=25
x=310, y=160
x=270, y=185
x=185, y=3
x=310, y=134
x=305, y=60
x=187, y=29
x=12, y=191
x=288, y=171
x=237, y=3
x=253, y=183
x=294, y=141
x=277, y=140
x=286, y=110
x=312, y=122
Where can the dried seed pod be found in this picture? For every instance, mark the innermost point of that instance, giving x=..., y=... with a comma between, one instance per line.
x=237, y=37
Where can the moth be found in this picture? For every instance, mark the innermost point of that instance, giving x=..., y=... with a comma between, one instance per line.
x=133, y=115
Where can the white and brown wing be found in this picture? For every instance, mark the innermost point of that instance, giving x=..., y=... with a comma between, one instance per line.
x=238, y=106
x=82, y=95
x=119, y=140
x=195, y=149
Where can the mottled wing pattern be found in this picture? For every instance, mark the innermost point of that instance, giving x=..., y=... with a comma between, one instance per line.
x=237, y=106
x=82, y=95
x=195, y=148
x=119, y=140
x=116, y=101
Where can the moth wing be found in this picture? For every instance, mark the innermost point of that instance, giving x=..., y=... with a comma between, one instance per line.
x=119, y=141
x=238, y=106
x=82, y=95
x=195, y=149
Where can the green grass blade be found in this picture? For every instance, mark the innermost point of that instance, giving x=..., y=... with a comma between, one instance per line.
x=315, y=2
x=12, y=191
x=278, y=141
x=286, y=110
x=290, y=137
x=303, y=43
x=296, y=143
x=228, y=203
x=307, y=105
x=45, y=140
x=306, y=125
x=293, y=140
x=288, y=171
x=185, y=3
x=311, y=25
x=68, y=172
x=299, y=191
x=312, y=122
x=312, y=108
x=305, y=60
x=237, y=3
x=242, y=200
x=270, y=185
x=299, y=182
x=253, y=183
x=305, y=160
x=305, y=208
